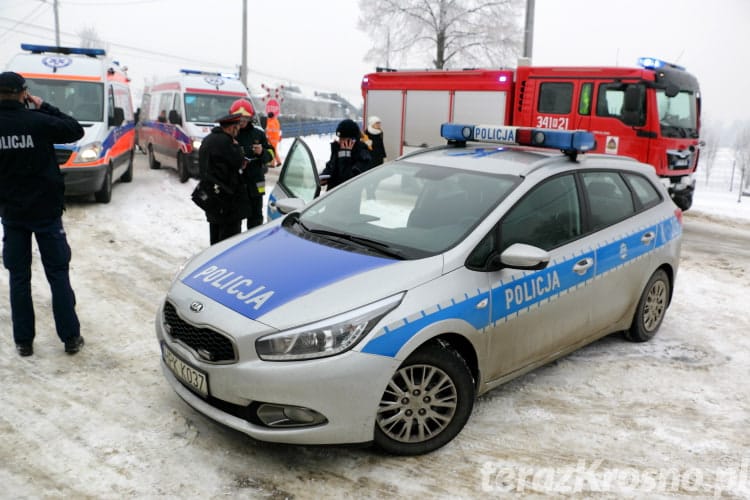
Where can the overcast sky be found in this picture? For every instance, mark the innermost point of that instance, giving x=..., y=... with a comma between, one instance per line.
x=317, y=43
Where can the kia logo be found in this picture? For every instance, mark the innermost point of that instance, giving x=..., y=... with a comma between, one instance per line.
x=196, y=307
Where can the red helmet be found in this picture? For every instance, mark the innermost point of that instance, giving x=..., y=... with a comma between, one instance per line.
x=243, y=107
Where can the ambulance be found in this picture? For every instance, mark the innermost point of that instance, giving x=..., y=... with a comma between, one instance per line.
x=650, y=112
x=178, y=112
x=95, y=90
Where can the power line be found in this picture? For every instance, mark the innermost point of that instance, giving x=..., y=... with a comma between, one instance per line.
x=33, y=11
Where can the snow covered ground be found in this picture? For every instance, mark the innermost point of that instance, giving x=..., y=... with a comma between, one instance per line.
x=661, y=419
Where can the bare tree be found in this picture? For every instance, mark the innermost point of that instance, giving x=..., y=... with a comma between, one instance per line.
x=90, y=39
x=742, y=156
x=710, y=137
x=457, y=33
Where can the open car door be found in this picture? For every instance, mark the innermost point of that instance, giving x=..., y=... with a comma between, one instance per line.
x=298, y=179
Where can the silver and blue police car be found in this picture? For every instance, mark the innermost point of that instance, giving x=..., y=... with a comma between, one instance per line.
x=379, y=311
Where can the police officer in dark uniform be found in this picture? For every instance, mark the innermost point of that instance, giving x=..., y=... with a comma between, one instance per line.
x=221, y=163
x=258, y=154
x=349, y=155
x=31, y=202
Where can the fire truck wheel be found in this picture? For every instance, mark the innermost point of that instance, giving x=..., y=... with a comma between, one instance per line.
x=684, y=201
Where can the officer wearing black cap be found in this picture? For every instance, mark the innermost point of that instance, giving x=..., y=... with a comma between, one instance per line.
x=221, y=161
x=349, y=155
x=31, y=202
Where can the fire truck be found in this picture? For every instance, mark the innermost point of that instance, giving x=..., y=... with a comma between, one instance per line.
x=650, y=112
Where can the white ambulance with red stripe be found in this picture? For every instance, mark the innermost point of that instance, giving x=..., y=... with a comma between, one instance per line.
x=95, y=90
x=178, y=112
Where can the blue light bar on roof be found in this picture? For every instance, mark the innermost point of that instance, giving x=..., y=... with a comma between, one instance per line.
x=654, y=63
x=566, y=140
x=38, y=49
x=208, y=73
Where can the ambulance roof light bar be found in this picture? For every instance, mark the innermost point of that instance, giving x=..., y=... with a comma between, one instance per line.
x=208, y=73
x=654, y=63
x=39, y=49
x=570, y=142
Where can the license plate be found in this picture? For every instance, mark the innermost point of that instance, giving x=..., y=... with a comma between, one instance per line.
x=193, y=378
x=681, y=163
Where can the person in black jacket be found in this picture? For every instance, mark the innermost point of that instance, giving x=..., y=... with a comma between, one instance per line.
x=221, y=163
x=258, y=155
x=349, y=155
x=32, y=202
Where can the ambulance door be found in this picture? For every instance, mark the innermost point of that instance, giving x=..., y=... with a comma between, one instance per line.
x=298, y=180
x=165, y=144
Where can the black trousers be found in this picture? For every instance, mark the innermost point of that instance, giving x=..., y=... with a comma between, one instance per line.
x=219, y=232
x=55, y=253
x=255, y=218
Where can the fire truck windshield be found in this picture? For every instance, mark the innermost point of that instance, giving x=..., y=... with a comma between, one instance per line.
x=678, y=114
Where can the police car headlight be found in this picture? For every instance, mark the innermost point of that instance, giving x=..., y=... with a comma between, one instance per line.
x=197, y=141
x=89, y=152
x=325, y=338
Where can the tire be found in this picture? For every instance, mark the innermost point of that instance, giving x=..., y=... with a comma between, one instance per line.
x=128, y=175
x=426, y=403
x=684, y=202
x=651, y=308
x=152, y=163
x=104, y=195
x=182, y=168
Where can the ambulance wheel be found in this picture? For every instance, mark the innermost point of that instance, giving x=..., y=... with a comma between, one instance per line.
x=152, y=163
x=128, y=175
x=426, y=403
x=182, y=168
x=104, y=195
x=651, y=308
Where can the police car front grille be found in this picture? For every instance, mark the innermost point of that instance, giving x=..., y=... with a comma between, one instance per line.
x=210, y=345
x=62, y=155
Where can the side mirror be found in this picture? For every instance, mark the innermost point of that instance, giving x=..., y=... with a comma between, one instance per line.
x=289, y=205
x=117, y=118
x=523, y=256
x=174, y=117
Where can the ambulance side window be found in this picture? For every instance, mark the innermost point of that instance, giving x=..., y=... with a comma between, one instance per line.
x=165, y=104
x=555, y=98
x=111, y=105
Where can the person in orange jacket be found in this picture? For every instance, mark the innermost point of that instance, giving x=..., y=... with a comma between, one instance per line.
x=273, y=133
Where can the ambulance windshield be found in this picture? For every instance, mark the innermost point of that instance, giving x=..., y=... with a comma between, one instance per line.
x=207, y=108
x=84, y=101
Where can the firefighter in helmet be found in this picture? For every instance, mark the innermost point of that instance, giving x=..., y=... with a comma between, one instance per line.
x=258, y=154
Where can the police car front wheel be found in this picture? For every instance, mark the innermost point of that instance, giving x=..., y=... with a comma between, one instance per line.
x=426, y=403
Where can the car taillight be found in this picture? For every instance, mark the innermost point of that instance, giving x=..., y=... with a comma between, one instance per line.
x=678, y=215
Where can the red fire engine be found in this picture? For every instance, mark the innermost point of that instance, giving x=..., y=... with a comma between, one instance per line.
x=651, y=113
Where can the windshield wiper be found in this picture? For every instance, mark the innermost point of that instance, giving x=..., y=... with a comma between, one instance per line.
x=378, y=246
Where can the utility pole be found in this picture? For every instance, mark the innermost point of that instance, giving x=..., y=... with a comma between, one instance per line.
x=57, y=24
x=243, y=68
x=528, y=36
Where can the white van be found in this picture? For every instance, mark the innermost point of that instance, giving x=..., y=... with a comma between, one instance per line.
x=95, y=90
x=178, y=112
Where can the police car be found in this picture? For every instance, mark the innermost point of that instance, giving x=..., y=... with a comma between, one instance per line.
x=379, y=311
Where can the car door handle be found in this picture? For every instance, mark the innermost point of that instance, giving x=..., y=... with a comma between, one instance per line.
x=582, y=266
x=647, y=238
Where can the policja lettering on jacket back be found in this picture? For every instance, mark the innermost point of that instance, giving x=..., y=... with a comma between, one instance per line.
x=16, y=141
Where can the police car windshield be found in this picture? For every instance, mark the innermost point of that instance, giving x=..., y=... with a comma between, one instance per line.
x=207, y=108
x=84, y=101
x=415, y=210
